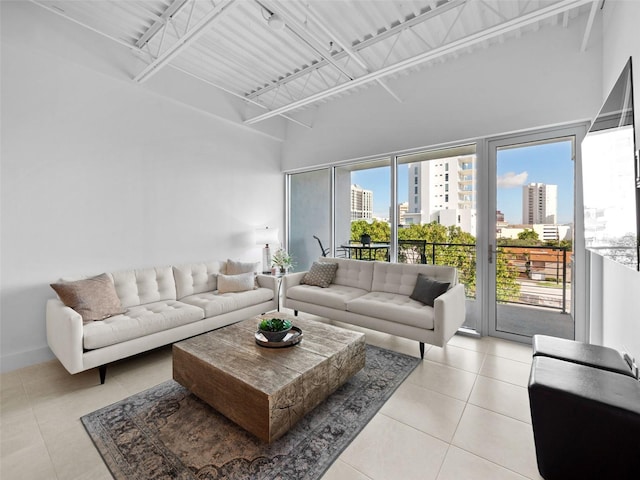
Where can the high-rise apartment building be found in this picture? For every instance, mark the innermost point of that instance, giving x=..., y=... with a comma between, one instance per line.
x=361, y=203
x=443, y=190
x=539, y=203
x=401, y=211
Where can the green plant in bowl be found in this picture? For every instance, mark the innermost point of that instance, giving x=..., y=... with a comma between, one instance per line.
x=274, y=329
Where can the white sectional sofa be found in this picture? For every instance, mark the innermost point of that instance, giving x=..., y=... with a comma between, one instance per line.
x=376, y=295
x=161, y=305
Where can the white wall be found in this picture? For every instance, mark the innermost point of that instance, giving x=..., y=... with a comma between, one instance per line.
x=99, y=174
x=539, y=79
x=619, y=286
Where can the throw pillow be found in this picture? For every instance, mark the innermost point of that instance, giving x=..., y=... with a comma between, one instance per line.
x=93, y=298
x=427, y=289
x=320, y=274
x=236, y=268
x=235, y=283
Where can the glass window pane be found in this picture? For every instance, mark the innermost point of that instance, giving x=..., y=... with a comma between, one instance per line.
x=308, y=216
x=439, y=225
x=362, y=207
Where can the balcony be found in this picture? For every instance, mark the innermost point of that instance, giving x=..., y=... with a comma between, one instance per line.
x=537, y=276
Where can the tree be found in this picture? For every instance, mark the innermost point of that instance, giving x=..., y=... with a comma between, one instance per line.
x=380, y=231
x=529, y=235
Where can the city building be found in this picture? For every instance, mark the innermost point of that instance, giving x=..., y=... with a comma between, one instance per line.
x=539, y=203
x=401, y=213
x=546, y=232
x=443, y=191
x=361, y=203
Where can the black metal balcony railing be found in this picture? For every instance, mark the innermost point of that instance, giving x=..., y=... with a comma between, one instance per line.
x=528, y=275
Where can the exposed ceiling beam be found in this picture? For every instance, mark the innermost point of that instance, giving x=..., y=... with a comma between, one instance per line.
x=171, y=10
x=183, y=42
x=82, y=24
x=298, y=31
x=128, y=45
x=454, y=46
x=365, y=44
x=230, y=92
x=589, y=27
x=346, y=48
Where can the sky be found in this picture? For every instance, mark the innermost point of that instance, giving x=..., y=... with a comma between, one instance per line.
x=548, y=163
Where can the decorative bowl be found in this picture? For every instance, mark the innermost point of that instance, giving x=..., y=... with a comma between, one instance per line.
x=275, y=336
x=274, y=329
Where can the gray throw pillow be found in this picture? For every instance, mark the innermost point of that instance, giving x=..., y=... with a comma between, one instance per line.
x=320, y=274
x=93, y=298
x=427, y=289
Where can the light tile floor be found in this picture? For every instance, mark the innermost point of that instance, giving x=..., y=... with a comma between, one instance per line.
x=462, y=414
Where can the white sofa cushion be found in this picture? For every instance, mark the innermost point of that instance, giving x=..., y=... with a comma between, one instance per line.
x=214, y=303
x=334, y=296
x=138, y=287
x=393, y=307
x=139, y=321
x=352, y=273
x=192, y=278
x=401, y=278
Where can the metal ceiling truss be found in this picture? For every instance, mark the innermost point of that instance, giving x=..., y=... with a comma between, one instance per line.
x=325, y=49
x=358, y=47
x=181, y=41
x=496, y=31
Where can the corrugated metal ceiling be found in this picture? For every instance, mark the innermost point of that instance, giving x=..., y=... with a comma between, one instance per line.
x=322, y=48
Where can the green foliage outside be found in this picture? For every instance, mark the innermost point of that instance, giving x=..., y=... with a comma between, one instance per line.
x=529, y=238
x=459, y=251
x=527, y=234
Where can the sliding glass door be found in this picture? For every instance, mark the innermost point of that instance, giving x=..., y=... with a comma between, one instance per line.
x=531, y=251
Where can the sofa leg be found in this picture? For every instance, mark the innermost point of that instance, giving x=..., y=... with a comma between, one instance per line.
x=102, y=370
x=295, y=312
x=422, y=350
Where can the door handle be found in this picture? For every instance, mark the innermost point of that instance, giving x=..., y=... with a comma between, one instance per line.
x=490, y=257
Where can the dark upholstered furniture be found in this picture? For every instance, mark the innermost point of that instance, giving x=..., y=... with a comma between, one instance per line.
x=585, y=412
x=604, y=358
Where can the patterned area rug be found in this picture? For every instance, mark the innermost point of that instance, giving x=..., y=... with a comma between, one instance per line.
x=166, y=432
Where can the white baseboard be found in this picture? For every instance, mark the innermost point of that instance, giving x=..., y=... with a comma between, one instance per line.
x=15, y=361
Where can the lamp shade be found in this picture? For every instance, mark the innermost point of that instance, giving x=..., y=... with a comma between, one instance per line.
x=265, y=236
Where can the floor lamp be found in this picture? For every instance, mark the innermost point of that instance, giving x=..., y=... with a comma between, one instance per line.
x=265, y=236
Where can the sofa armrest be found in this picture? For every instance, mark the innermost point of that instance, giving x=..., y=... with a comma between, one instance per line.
x=267, y=281
x=291, y=280
x=449, y=314
x=64, y=334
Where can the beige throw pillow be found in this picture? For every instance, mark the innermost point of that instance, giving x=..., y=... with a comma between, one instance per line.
x=236, y=268
x=236, y=283
x=93, y=298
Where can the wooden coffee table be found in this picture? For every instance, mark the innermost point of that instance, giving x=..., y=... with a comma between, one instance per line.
x=267, y=390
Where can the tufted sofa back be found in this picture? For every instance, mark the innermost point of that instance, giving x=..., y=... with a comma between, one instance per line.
x=137, y=287
x=192, y=278
x=352, y=273
x=401, y=278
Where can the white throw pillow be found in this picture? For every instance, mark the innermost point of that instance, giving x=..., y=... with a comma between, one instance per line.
x=236, y=283
x=236, y=268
